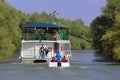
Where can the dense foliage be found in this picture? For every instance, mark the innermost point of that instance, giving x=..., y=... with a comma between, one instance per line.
x=12, y=20
x=106, y=30
x=10, y=34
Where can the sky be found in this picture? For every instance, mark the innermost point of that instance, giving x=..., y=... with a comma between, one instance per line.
x=87, y=10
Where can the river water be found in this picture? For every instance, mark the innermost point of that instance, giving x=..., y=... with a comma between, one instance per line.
x=84, y=66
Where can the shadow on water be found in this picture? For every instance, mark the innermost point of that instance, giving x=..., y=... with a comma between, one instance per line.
x=100, y=58
x=90, y=57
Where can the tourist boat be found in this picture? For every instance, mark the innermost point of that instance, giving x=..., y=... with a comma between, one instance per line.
x=52, y=37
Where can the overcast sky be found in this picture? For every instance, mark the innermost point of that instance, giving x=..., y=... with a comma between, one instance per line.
x=87, y=10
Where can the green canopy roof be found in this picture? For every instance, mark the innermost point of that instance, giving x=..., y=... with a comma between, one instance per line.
x=43, y=25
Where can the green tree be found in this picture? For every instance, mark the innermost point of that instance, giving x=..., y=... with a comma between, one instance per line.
x=108, y=32
x=99, y=26
x=10, y=33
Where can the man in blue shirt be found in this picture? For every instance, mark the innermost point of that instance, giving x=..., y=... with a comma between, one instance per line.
x=58, y=57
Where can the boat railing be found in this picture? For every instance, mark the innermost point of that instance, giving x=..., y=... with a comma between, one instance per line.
x=46, y=36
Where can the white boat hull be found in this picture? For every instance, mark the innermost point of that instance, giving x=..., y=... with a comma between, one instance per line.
x=55, y=64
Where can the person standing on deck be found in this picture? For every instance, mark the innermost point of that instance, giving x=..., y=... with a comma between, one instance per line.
x=41, y=52
x=46, y=52
x=41, y=34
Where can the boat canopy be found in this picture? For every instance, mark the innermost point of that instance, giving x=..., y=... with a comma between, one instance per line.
x=43, y=25
x=44, y=31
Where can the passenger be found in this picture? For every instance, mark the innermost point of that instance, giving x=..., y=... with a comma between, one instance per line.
x=41, y=34
x=53, y=59
x=20, y=59
x=56, y=36
x=58, y=56
x=64, y=59
x=30, y=37
x=41, y=52
x=46, y=51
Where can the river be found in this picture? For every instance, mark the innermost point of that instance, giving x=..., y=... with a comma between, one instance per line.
x=83, y=67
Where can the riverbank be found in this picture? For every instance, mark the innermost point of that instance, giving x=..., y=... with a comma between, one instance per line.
x=4, y=58
x=7, y=58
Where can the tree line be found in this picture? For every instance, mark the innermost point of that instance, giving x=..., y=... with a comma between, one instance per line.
x=106, y=30
x=12, y=20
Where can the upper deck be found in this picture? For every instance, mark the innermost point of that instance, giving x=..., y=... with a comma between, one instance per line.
x=45, y=31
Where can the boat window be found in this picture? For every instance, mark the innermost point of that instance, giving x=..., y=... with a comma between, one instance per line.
x=65, y=46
